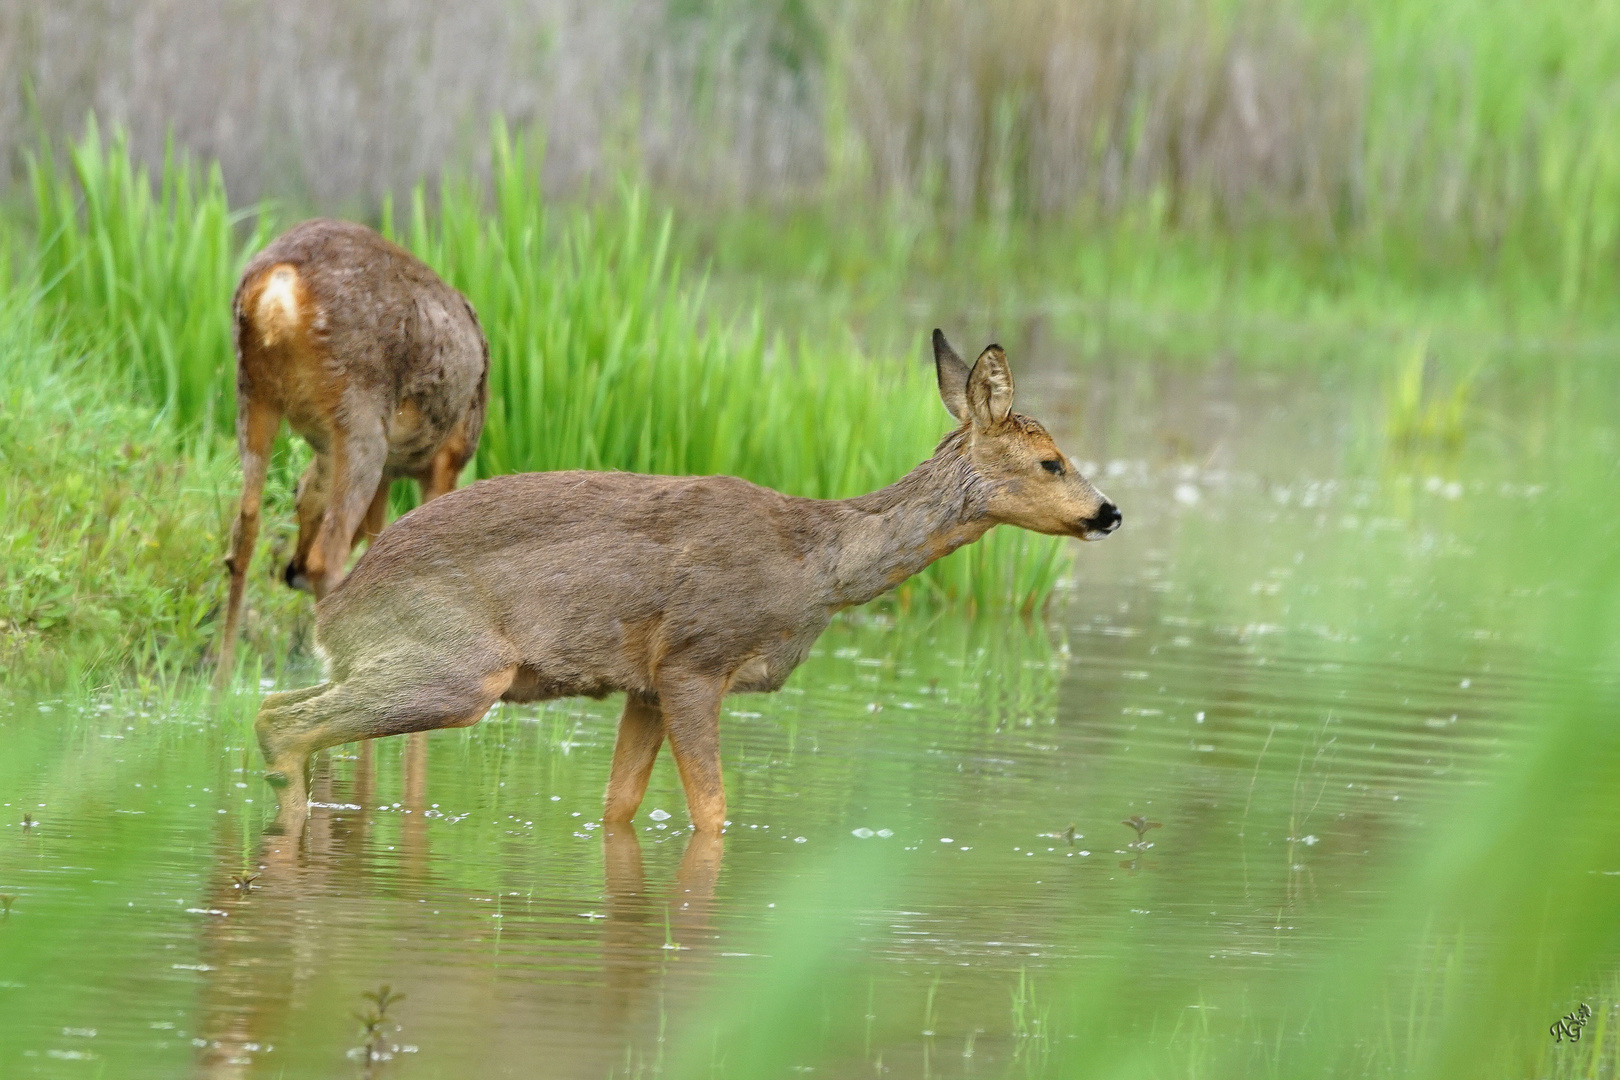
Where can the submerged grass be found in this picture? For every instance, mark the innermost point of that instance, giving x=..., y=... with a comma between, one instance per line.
x=1417, y=415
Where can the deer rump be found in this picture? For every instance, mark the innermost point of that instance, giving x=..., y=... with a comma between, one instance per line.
x=589, y=583
x=382, y=368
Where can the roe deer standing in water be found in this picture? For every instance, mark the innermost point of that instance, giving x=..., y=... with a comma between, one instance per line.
x=376, y=362
x=676, y=590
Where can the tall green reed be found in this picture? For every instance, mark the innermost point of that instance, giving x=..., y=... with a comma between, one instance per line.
x=145, y=270
x=1419, y=416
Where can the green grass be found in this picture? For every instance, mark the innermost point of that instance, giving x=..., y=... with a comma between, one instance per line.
x=1419, y=416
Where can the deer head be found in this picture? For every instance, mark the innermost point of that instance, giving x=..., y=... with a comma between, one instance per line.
x=1032, y=484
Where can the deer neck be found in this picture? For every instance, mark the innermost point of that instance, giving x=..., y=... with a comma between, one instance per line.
x=896, y=532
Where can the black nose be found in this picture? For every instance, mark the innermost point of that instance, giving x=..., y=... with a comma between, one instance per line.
x=290, y=575
x=1106, y=519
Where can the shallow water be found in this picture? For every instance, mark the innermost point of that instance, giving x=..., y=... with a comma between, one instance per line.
x=1302, y=649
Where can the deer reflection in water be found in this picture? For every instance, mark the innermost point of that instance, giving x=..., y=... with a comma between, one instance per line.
x=345, y=905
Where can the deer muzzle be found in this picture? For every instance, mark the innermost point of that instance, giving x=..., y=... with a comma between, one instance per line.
x=1104, y=521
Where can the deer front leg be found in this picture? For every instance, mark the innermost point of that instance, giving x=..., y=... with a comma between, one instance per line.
x=376, y=515
x=314, y=487
x=691, y=708
x=356, y=476
x=641, y=733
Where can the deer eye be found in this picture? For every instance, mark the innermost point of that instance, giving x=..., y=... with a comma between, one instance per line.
x=1053, y=466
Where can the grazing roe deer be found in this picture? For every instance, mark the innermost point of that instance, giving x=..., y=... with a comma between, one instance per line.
x=376, y=362
x=676, y=590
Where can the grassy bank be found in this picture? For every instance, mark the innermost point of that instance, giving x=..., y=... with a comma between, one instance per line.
x=110, y=540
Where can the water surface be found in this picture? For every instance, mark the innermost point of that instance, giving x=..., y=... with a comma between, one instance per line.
x=1301, y=651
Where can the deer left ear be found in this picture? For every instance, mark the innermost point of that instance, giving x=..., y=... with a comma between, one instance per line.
x=953, y=378
x=990, y=389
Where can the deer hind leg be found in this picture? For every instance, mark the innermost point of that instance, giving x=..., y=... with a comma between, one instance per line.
x=691, y=709
x=356, y=473
x=284, y=698
x=293, y=726
x=256, y=426
x=452, y=456
x=314, y=494
x=641, y=733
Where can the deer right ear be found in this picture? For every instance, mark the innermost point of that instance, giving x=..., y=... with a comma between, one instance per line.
x=953, y=378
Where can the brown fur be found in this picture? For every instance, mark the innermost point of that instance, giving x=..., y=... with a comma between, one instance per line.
x=676, y=590
x=376, y=362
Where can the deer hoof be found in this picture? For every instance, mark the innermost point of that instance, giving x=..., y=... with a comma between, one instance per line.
x=297, y=577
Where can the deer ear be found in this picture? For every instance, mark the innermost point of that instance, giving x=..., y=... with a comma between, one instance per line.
x=953, y=378
x=990, y=389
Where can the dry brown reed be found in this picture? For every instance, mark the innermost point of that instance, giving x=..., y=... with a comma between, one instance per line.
x=1027, y=107
x=1472, y=135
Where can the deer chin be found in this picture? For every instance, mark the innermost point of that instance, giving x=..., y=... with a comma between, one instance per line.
x=1090, y=531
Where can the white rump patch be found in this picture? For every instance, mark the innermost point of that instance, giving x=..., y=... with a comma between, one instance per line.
x=277, y=312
